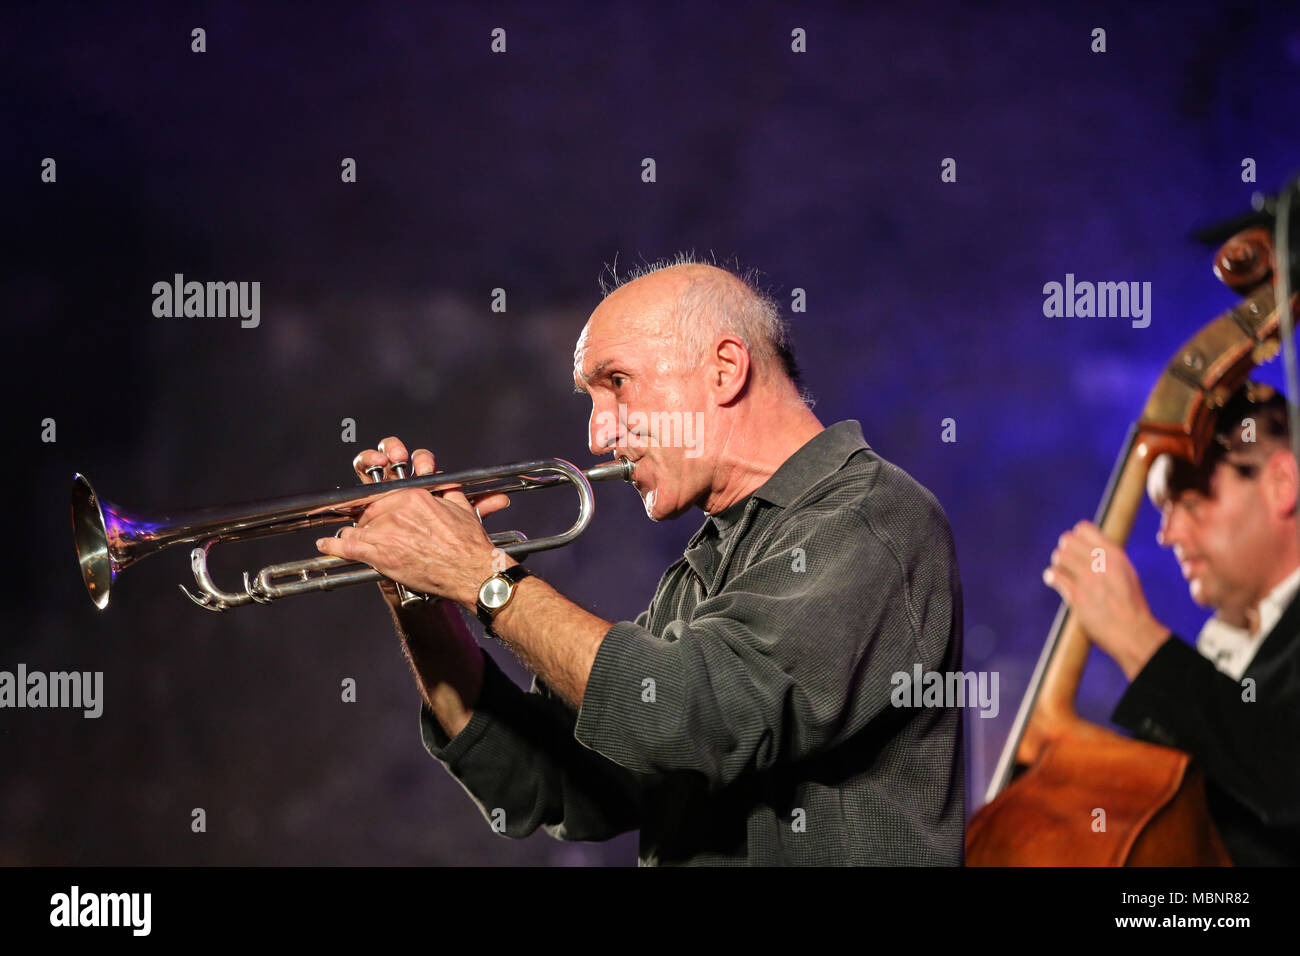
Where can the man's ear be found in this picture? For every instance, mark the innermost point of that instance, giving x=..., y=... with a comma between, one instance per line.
x=730, y=368
x=1281, y=482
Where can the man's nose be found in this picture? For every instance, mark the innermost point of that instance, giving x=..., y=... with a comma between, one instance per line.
x=604, y=430
x=1171, y=528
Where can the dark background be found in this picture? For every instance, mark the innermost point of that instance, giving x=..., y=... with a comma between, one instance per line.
x=522, y=171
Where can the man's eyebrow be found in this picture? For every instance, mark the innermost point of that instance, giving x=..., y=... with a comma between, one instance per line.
x=595, y=374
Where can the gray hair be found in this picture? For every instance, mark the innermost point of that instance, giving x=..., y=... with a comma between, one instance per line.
x=711, y=306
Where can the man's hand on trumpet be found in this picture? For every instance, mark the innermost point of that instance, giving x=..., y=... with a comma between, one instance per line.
x=443, y=655
x=434, y=544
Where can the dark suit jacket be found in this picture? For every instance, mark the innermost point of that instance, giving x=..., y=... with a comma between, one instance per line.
x=1249, y=751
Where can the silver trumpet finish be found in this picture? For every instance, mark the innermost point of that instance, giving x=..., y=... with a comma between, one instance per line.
x=109, y=539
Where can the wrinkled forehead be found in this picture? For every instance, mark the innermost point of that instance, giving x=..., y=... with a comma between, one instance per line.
x=629, y=331
x=595, y=344
x=580, y=350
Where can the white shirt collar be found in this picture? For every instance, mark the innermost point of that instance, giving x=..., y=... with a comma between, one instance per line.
x=1233, y=648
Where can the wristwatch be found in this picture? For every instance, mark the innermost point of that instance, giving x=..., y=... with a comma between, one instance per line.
x=497, y=591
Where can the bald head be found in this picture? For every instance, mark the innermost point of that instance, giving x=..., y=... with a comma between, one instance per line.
x=685, y=365
x=685, y=307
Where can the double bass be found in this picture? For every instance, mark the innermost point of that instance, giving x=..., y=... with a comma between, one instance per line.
x=1058, y=770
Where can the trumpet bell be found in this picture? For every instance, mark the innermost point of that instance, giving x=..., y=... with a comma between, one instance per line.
x=90, y=532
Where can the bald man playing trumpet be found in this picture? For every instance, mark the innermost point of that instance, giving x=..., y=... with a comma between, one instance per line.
x=745, y=717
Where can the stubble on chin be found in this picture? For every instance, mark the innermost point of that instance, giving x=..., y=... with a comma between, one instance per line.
x=651, y=497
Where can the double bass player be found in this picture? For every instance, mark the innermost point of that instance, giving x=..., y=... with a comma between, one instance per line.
x=1233, y=701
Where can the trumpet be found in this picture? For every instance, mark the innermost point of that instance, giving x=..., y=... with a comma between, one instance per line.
x=109, y=539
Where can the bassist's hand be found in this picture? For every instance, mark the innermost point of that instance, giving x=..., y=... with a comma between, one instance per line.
x=1095, y=578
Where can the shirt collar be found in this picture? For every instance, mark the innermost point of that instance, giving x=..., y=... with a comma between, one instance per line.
x=1277, y=600
x=1234, y=648
x=819, y=457
x=1270, y=608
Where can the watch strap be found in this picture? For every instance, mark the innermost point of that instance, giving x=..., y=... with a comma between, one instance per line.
x=514, y=574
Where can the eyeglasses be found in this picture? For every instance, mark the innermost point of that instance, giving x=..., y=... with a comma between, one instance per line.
x=1245, y=469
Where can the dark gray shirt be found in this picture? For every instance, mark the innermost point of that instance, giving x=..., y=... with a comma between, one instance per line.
x=745, y=717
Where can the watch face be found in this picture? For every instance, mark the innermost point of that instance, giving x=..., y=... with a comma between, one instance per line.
x=495, y=592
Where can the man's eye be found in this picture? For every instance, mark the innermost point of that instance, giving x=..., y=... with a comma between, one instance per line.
x=618, y=380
